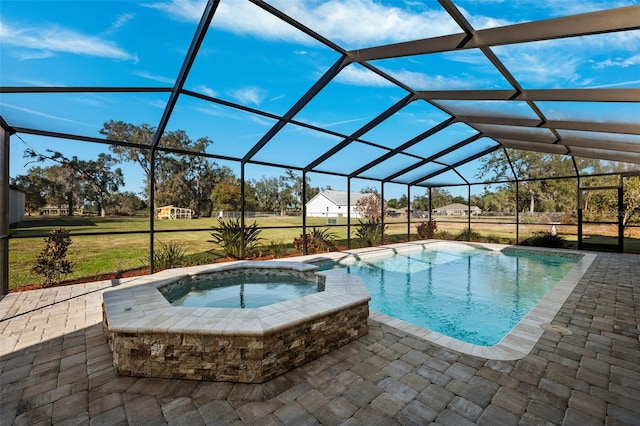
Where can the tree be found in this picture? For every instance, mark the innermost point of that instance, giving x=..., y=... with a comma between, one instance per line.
x=370, y=206
x=126, y=203
x=35, y=185
x=631, y=195
x=98, y=174
x=535, y=195
x=102, y=179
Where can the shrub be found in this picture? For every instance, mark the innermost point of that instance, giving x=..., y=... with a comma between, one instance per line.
x=371, y=231
x=277, y=249
x=234, y=242
x=171, y=255
x=426, y=230
x=318, y=241
x=545, y=239
x=493, y=238
x=444, y=235
x=468, y=235
x=52, y=261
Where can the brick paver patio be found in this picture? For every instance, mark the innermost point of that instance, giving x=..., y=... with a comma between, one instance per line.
x=56, y=368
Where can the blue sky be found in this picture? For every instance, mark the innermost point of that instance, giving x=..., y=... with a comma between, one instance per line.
x=253, y=59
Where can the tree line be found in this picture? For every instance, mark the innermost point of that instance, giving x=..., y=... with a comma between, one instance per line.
x=186, y=179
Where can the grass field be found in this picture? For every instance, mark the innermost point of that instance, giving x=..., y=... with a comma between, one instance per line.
x=97, y=255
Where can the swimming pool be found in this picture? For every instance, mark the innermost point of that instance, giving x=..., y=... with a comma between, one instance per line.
x=468, y=292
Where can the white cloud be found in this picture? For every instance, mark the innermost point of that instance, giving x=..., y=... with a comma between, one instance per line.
x=207, y=91
x=619, y=62
x=32, y=42
x=45, y=115
x=362, y=77
x=154, y=77
x=352, y=23
x=118, y=23
x=249, y=95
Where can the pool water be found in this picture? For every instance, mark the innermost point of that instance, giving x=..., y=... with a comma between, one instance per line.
x=246, y=291
x=471, y=294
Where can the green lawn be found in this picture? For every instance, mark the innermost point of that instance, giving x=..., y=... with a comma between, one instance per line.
x=96, y=255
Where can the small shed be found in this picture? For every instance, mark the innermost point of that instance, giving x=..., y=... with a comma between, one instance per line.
x=16, y=204
x=173, y=213
x=457, y=209
x=331, y=203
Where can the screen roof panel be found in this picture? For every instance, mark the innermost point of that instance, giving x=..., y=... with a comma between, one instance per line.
x=347, y=103
x=446, y=178
x=390, y=166
x=459, y=70
x=442, y=140
x=273, y=77
x=412, y=120
x=352, y=157
x=81, y=114
x=297, y=145
x=200, y=118
x=593, y=61
x=546, y=78
x=354, y=25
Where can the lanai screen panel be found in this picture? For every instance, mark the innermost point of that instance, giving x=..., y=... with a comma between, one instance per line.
x=545, y=78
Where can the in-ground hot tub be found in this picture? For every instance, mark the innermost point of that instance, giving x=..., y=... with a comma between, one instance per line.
x=151, y=338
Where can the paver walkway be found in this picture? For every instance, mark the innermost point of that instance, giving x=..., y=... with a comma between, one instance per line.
x=56, y=368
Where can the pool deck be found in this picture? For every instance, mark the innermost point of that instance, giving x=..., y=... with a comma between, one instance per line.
x=56, y=368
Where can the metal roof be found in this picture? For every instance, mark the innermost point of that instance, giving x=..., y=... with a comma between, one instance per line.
x=473, y=122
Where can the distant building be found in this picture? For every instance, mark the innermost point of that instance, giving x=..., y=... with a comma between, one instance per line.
x=63, y=210
x=173, y=213
x=16, y=204
x=457, y=209
x=331, y=203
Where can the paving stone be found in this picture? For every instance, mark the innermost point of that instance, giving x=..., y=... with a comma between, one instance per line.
x=461, y=372
x=115, y=416
x=217, y=413
x=433, y=376
x=576, y=417
x=388, y=404
x=313, y=400
x=415, y=413
x=494, y=416
x=416, y=382
x=335, y=412
x=622, y=415
x=556, y=389
x=436, y=397
x=176, y=407
x=397, y=369
x=465, y=408
x=295, y=414
x=253, y=411
x=543, y=411
x=142, y=410
x=587, y=404
x=399, y=390
x=370, y=416
x=70, y=407
x=362, y=393
x=448, y=417
x=593, y=377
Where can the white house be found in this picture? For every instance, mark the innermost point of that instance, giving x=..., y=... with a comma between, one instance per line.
x=331, y=203
x=16, y=204
x=457, y=209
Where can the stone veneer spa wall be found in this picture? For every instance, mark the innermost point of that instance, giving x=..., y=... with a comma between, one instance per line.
x=151, y=338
